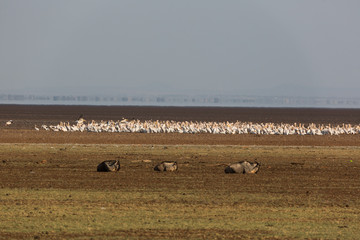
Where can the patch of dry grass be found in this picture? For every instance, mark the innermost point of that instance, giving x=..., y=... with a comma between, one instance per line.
x=78, y=212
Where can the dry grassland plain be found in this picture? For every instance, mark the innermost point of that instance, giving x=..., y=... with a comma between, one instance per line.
x=307, y=187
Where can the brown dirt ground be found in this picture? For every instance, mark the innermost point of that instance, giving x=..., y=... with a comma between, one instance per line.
x=310, y=181
x=341, y=189
x=32, y=136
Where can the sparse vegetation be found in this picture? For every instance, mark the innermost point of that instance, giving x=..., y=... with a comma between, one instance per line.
x=53, y=191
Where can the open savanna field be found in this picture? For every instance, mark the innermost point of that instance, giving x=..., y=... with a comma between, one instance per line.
x=308, y=187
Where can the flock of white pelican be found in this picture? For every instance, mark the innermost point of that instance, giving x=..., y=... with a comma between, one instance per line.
x=149, y=126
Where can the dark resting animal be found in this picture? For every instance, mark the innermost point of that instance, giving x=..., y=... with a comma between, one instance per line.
x=109, y=166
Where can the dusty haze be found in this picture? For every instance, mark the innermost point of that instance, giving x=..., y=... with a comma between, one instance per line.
x=263, y=48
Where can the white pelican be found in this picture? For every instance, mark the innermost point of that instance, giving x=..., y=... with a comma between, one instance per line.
x=45, y=127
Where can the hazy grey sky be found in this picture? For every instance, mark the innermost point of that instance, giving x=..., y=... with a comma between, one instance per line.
x=299, y=48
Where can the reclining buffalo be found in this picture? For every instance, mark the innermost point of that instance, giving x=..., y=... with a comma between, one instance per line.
x=243, y=167
x=109, y=166
x=166, y=166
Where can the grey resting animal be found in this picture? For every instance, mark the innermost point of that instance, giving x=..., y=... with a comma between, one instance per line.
x=166, y=166
x=243, y=167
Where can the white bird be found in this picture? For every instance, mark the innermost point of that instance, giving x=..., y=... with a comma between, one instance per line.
x=45, y=127
x=80, y=120
x=8, y=123
x=36, y=128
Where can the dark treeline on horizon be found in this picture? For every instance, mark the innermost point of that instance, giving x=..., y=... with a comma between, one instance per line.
x=184, y=100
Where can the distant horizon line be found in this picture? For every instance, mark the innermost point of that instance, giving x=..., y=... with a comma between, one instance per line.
x=172, y=95
x=200, y=100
